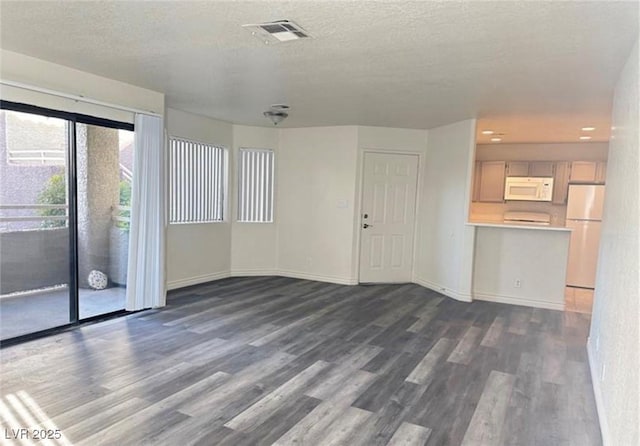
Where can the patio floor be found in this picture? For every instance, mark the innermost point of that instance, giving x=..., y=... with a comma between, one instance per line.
x=24, y=314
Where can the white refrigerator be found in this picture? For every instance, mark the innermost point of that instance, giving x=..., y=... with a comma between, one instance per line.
x=584, y=217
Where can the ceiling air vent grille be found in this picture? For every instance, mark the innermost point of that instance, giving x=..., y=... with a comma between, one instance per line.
x=278, y=31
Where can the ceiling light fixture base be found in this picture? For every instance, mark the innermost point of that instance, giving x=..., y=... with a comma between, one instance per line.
x=276, y=116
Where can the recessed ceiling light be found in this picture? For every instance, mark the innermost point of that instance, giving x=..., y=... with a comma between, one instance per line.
x=588, y=129
x=487, y=132
x=496, y=139
x=585, y=137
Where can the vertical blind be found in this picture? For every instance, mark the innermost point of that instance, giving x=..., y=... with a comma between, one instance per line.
x=197, y=182
x=255, y=185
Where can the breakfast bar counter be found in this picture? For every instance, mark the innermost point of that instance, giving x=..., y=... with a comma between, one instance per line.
x=520, y=264
x=500, y=224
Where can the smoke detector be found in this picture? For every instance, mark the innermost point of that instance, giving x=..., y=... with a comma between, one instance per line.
x=278, y=31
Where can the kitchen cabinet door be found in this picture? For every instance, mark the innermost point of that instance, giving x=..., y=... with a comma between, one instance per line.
x=583, y=171
x=541, y=169
x=561, y=182
x=601, y=172
x=518, y=169
x=492, y=181
x=477, y=174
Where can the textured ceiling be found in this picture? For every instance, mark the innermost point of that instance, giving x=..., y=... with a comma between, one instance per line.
x=536, y=71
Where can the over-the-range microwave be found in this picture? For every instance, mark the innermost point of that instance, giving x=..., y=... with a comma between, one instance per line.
x=528, y=188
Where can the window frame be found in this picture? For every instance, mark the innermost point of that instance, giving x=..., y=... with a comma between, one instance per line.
x=224, y=207
x=273, y=184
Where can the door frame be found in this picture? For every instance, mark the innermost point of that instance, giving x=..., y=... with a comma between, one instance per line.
x=72, y=200
x=360, y=192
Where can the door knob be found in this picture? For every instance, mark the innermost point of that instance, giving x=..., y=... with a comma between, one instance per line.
x=365, y=226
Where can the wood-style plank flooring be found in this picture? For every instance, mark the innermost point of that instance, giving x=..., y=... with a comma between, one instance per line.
x=261, y=361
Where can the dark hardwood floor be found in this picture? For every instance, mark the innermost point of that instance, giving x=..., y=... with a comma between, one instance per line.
x=259, y=361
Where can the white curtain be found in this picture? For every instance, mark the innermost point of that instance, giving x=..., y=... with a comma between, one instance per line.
x=146, y=271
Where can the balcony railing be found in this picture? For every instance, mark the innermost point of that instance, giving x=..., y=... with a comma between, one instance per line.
x=51, y=156
x=36, y=207
x=120, y=215
x=126, y=173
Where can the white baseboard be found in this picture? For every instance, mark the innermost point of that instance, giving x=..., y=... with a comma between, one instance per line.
x=597, y=391
x=181, y=283
x=512, y=300
x=317, y=277
x=463, y=297
x=253, y=272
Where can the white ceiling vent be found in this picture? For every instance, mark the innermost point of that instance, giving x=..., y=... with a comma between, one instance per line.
x=278, y=31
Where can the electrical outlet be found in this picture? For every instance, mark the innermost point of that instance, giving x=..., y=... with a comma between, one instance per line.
x=602, y=374
x=517, y=283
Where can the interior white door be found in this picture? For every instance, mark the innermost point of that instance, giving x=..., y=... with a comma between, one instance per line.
x=388, y=217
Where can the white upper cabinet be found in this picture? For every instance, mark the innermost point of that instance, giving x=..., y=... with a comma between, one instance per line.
x=492, y=181
x=517, y=168
x=583, y=171
x=477, y=175
x=530, y=168
x=601, y=172
x=561, y=182
x=541, y=169
x=489, y=176
x=588, y=172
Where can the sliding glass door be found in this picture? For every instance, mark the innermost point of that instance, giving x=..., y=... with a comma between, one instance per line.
x=34, y=223
x=65, y=192
x=104, y=164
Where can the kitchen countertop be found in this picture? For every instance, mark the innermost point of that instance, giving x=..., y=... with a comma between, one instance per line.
x=499, y=224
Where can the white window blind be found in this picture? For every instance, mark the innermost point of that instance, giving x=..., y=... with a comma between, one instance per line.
x=197, y=182
x=255, y=185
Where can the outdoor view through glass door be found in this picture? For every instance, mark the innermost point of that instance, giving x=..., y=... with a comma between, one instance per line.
x=104, y=163
x=34, y=223
x=65, y=190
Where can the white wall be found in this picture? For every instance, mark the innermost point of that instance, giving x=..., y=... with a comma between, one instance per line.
x=316, y=230
x=614, y=342
x=444, y=257
x=316, y=169
x=253, y=245
x=392, y=139
x=36, y=72
x=198, y=253
x=538, y=258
